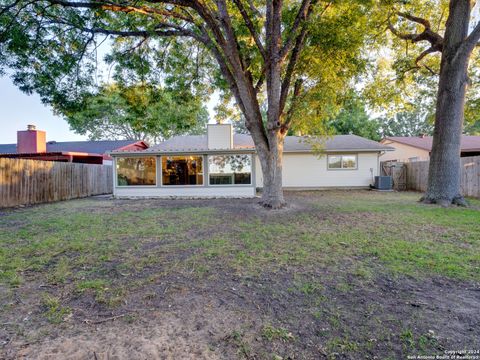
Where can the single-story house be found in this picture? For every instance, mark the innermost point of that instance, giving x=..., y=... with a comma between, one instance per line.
x=223, y=164
x=418, y=148
x=32, y=144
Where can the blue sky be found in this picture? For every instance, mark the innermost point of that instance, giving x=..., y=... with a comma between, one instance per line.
x=18, y=109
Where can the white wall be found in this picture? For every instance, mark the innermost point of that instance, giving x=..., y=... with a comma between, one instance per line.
x=309, y=171
x=300, y=170
x=219, y=136
x=194, y=191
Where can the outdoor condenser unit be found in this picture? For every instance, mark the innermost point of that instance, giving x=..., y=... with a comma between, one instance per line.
x=383, y=182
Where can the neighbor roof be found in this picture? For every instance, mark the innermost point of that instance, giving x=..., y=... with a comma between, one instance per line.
x=468, y=143
x=198, y=143
x=92, y=147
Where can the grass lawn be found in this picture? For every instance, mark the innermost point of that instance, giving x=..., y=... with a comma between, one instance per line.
x=337, y=274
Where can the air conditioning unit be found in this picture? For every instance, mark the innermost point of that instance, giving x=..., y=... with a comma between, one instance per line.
x=383, y=182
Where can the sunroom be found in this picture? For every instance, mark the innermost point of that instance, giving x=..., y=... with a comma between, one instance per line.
x=208, y=167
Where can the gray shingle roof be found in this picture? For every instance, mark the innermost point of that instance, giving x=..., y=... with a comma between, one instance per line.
x=292, y=144
x=468, y=142
x=8, y=148
x=92, y=147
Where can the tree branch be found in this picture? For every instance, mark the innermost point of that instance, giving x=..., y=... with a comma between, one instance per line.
x=171, y=30
x=416, y=19
x=435, y=40
x=401, y=35
x=251, y=27
x=289, y=116
x=472, y=40
x=122, y=8
x=291, y=67
x=426, y=35
x=301, y=16
x=422, y=55
x=231, y=46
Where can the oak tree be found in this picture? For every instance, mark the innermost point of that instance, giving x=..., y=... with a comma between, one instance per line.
x=454, y=41
x=292, y=56
x=137, y=112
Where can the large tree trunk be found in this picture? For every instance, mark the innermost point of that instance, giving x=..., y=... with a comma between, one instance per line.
x=271, y=160
x=444, y=172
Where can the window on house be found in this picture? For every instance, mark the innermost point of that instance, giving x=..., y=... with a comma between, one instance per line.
x=230, y=169
x=182, y=170
x=342, y=162
x=132, y=171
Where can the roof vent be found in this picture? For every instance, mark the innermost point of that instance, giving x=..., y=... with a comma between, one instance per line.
x=31, y=127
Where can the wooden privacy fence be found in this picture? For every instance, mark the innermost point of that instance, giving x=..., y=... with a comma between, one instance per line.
x=417, y=176
x=24, y=182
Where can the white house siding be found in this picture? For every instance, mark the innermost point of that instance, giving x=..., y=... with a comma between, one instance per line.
x=194, y=191
x=404, y=152
x=302, y=170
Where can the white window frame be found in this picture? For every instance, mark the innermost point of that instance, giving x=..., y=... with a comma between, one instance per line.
x=181, y=186
x=233, y=174
x=136, y=157
x=341, y=162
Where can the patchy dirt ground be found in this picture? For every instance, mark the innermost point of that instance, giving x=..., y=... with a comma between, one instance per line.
x=336, y=275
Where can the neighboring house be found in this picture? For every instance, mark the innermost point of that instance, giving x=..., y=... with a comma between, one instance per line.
x=223, y=164
x=417, y=148
x=32, y=144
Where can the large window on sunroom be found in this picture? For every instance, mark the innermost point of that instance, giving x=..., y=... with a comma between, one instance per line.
x=230, y=169
x=133, y=171
x=182, y=170
x=336, y=162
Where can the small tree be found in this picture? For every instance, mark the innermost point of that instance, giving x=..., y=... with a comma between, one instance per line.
x=412, y=123
x=294, y=55
x=456, y=46
x=138, y=112
x=354, y=119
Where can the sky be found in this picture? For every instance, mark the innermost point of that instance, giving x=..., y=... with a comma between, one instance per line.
x=17, y=110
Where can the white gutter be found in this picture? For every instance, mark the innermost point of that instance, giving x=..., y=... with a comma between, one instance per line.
x=235, y=151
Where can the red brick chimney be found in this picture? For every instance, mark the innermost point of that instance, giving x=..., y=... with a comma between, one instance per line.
x=31, y=140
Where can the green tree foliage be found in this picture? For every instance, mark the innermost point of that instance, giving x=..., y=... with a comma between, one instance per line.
x=143, y=112
x=404, y=77
x=53, y=49
x=354, y=119
x=406, y=124
x=473, y=128
x=298, y=58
